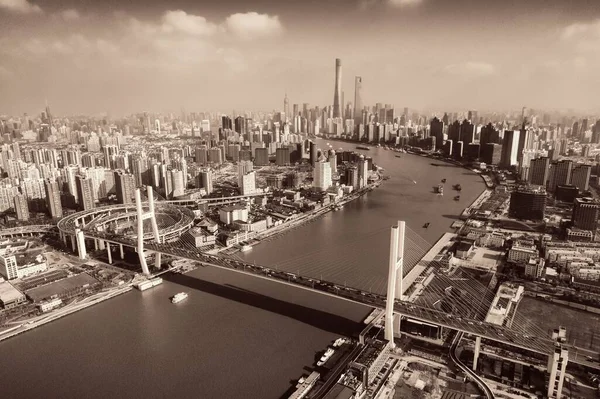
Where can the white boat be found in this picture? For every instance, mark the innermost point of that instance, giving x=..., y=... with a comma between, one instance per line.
x=325, y=357
x=246, y=248
x=339, y=342
x=179, y=297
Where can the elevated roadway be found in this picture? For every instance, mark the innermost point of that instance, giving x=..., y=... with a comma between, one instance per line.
x=469, y=325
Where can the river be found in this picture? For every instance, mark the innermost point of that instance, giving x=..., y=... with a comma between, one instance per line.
x=238, y=336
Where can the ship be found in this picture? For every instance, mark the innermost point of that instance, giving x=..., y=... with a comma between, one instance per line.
x=325, y=357
x=440, y=189
x=145, y=285
x=245, y=248
x=359, y=147
x=339, y=342
x=457, y=198
x=426, y=225
x=457, y=187
x=443, y=180
x=179, y=297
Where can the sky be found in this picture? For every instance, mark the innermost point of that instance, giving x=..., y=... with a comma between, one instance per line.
x=91, y=57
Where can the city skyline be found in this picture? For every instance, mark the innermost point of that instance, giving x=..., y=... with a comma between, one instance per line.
x=91, y=58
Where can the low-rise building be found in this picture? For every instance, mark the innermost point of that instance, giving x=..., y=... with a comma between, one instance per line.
x=49, y=305
x=230, y=213
x=535, y=267
x=575, y=234
x=202, y=237
x=10, y=297
x=522, y=251
x=491, y=240
x=463, y=249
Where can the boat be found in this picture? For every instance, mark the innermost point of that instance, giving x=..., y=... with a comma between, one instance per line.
x=398, y=156
x=145, y=285
x=300, y=382
x=440, y=189
x=339, y=342
x=325, y=357
x=179, y=297
x=245, y=248
x=457, y=198
x=359, y=147
x=457, y=187
x=426, y=225
x=443, y=180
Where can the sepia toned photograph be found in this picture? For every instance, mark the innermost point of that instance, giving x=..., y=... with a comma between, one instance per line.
x=278, y=199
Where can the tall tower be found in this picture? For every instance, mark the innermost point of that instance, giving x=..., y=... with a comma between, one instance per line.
x=337, y=95
x=286, y=107
x=395, y=276
x=358, y=103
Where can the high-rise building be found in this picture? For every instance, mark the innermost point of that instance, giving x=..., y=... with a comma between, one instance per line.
x=528, y=203
x=436, y=129
x=53, y=199
x=178, y=183
x=21, y=207
x=125, y=185
x=313, y=153
x=286, y=108
x=566, y=193
x=585, y=213
x=580, y=176
x=538, y=171
x=85, y=192
x=352, y=176
x=363, y=172
x=337, y=95
x=560, y=174
x=491, y=153
x=510, y=148
x=248, y=183
x=282, y=156
x=205, y=180
x=244, y=167
x=322, y=175
x=261, y=157
x=358, y=102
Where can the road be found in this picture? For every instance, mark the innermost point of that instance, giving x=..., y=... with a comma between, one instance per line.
x=482, y=384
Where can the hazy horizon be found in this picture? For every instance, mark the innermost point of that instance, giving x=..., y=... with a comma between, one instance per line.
x=87, y=58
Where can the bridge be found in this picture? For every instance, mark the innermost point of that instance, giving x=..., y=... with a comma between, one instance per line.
x=454, y=302
x=29, y=230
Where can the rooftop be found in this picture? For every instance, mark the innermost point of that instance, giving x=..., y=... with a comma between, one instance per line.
x=8, y=293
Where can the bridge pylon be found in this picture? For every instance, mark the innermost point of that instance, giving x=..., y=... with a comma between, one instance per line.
x=395, y=275
x=141, y=216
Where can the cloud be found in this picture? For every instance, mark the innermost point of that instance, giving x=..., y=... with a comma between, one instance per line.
x=20, y=6
x=471, y=69
x=252, y=25
x=180, y=21
x=584, y=37
x=366, y=4
x=403, y=3
x=70, y=15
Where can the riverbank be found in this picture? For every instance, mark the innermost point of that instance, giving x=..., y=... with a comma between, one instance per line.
x=76, y=306
x=303, y=219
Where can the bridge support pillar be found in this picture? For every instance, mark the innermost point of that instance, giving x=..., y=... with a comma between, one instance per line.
x=121, y=251
x=395, y=276
x=109, y=253
x=141, y=216
x=80, y=244
x=73, y=244
x=476, y=352
x=157, y=260
x=101, y=245
x=96, y=244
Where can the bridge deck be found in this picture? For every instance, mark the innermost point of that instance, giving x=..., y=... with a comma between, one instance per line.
x=543, y=345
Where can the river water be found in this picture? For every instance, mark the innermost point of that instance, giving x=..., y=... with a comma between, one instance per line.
x=238, y=336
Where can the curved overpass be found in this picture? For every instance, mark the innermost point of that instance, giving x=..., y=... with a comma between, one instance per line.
x=177, y=220
x=31, y=229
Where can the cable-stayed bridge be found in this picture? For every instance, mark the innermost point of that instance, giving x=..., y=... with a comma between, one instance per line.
x=450, y=299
